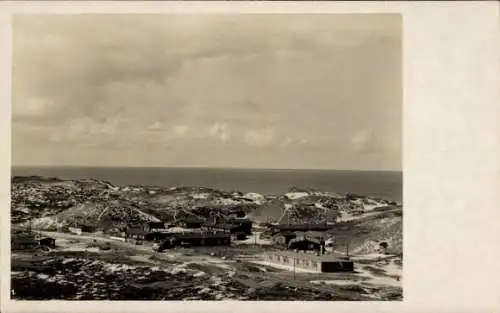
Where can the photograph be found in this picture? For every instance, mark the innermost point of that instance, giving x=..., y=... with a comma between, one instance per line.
x=207, y=156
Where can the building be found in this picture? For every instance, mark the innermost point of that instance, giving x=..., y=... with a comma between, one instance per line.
x=87, y=228
x=157, y=235
x=317, y=235
x=284, y=237
x=196, y=239
x=301, y=227
x=232, y=226
x=218, y=227
x=241, y=225
x=304, y=244
x=190, y=221
x=139, y=230
x=135, y=232
x=48, y=242
x=308, y=261
x=156, y=226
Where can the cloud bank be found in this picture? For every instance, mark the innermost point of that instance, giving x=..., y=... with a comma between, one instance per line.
x=298, y=91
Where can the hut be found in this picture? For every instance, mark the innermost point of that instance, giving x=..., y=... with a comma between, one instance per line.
x=284, y=237
x=196, y=239
x=241, y=225
x=135, y=232
x=304, y=244
x=48, y=242
x=87, y=228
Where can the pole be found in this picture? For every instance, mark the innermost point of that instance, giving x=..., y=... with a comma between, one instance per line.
x=294, y=268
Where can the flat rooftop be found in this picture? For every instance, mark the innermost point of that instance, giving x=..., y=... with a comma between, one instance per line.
x=329, y=257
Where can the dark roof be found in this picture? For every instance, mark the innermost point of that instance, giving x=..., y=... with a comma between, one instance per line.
x=286, y=233
x=200, y=235
x=223, y=225
x=302, y=239
x=311, y=256
x=304, y=227
x=85, y=225
x=314, y=234
x=135, y=230
x=191, y=219
x=47, y=238
x=241, y=220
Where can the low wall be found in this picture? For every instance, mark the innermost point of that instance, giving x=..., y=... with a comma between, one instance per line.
x=296, y=261
x=327, y=263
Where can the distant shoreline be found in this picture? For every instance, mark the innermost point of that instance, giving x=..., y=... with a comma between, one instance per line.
x=292, y=189
x=204, y=168
x=379, y=184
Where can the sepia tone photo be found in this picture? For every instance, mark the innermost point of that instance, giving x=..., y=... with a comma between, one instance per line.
x=207, y=157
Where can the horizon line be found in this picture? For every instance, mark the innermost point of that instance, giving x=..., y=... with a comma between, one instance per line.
x=206, y=167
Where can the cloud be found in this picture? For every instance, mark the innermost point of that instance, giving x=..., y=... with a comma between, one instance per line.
x=180, y=130
x=155, y=126
x=220, y=131
x=287, y=141
x=365, y=142
x=83, y=129
x=260, y=137
x=230, y=78
x=34, y=106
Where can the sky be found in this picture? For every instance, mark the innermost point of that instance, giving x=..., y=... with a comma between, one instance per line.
x=319, y=91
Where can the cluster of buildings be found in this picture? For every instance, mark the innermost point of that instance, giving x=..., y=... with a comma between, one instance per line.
x=189, y=230
x=27, y=240
x=305, y=248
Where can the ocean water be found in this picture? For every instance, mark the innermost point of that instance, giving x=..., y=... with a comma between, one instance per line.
x=386, y=185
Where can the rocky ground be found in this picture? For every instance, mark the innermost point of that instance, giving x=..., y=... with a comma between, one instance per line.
x=49, y=203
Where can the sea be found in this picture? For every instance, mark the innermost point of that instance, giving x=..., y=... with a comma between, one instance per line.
x=381, y=184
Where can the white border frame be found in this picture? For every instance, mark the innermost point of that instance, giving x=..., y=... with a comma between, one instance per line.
x=451, y=155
